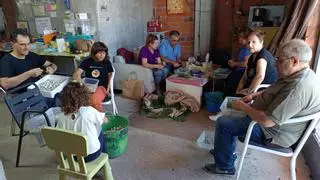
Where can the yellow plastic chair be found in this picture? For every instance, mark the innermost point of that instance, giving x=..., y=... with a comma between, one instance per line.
x=72, y=144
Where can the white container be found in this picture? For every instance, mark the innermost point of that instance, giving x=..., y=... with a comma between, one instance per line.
x=61, y=45
x=227, y=110
x=51, y=84
x=91, y=84
x=206, y=140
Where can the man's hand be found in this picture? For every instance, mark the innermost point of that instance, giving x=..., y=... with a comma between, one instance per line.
x=176, y=64
x=248, y=98
x=238, y=104
x=35, y=72
x=49, y=70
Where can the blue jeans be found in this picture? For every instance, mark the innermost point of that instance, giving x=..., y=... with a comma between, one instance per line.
x=227, y=130
x=103, y=148
x=159, y=75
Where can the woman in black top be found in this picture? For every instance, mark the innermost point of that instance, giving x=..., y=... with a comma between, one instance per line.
x=98, y=66
x=261, y=65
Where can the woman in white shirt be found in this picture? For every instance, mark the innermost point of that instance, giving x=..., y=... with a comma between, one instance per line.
x=79, y=116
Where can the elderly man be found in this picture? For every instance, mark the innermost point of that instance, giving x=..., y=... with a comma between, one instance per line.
x=170, y=50
x=21, y=66
x=294, y=94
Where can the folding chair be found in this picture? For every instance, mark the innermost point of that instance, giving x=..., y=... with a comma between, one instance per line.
x=23, y=105
x=278, y=150
x=72, y=144
x=112, y=100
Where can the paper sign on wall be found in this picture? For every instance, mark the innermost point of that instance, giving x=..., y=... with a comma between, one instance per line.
x=42, y=23
x=51, y=7
x=38, y=10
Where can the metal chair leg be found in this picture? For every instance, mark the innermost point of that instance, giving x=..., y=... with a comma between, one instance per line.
x=19, y=147
x=13, y=128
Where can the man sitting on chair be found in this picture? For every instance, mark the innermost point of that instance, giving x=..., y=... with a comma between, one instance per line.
x=170, y=51
x=295, y=94
x=22, y=66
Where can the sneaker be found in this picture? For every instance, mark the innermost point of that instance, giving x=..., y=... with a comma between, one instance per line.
x=211, y=152
x=215, y=117
x=211, y=168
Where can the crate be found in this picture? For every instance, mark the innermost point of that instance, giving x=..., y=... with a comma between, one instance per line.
x=62, y=81
x=226, y=108
x=91, y=84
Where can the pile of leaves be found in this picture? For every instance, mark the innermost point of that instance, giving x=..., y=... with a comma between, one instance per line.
x=155, y=108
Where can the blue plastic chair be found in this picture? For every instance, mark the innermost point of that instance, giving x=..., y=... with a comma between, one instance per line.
x=23, y=104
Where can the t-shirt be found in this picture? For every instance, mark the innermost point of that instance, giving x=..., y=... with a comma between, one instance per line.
x=271, y=74
x=151, y=57
x=294, y=96
x=243, y=52
x=12, y=66
x=169, y=52
x=97, y=70
x=87, y=121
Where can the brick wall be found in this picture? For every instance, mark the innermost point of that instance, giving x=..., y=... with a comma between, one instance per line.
x=184, y=23
x=226, y=18
x=9, y=12
x=312, y=34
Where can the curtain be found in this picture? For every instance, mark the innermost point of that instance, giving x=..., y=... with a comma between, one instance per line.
x=294, y=24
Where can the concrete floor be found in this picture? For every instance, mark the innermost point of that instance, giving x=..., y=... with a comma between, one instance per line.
x=158, y=149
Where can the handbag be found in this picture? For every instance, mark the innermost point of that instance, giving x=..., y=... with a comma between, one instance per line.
x=133, y=88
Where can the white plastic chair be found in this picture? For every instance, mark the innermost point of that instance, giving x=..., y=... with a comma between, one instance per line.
x=262, y=86
x=278, y=150
x=112, y=100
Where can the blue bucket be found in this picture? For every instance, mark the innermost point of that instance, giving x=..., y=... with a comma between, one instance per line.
x=213, y=101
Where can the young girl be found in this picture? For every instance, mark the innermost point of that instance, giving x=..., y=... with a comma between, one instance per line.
x=79, y=116
x=98, y=67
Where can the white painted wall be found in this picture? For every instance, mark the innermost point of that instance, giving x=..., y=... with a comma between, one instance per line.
x=203, y=26
x=127, y=25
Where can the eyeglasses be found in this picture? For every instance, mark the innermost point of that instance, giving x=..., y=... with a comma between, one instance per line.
x=281, y=60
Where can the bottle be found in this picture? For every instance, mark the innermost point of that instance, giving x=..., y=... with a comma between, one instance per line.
x=207, y=57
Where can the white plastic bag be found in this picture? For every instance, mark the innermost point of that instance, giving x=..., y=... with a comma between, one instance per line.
x=37, y=121
x=206, y=140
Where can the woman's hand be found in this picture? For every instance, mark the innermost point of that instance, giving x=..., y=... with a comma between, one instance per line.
x=159, y=66
x=244, y=92
x=231, y=63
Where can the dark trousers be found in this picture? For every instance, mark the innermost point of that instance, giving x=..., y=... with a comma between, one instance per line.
x=226, y=133
x=103, y=148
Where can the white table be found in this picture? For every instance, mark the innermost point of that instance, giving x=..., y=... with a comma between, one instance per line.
x=192, y=90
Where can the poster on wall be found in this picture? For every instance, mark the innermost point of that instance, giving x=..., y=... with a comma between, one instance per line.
x=38, y=10
x=42, y=23
x=175, y=6
x=23, y=25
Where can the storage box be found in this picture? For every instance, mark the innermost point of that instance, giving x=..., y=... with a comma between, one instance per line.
x=51, y=84
x=91, y=83
x=226, y=108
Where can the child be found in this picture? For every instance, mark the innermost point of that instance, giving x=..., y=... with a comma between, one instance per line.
x=98, y=67
x=238, y=64
x=79, y=116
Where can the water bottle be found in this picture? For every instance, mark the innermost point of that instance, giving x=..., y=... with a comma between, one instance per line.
x=207, y=58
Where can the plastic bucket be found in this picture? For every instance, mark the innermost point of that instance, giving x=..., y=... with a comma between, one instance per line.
x=116, y=133
x=213, y=101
